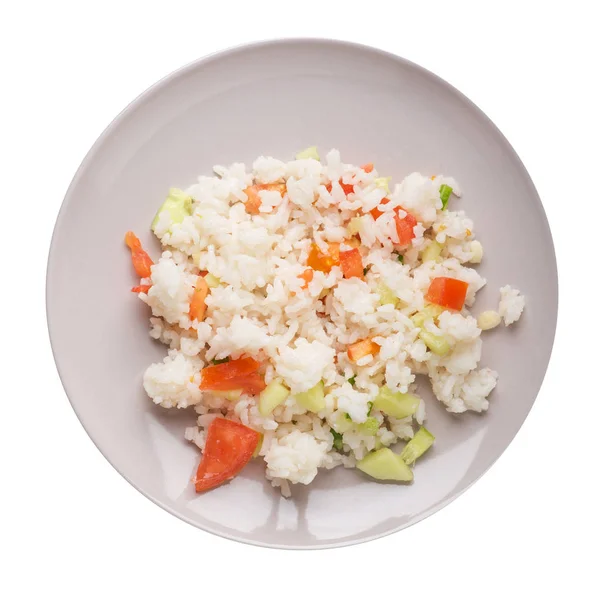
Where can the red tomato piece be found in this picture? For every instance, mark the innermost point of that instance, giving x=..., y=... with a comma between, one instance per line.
x=405, y=227
x=317, y=260
x=198, y=303
x=140, y=259
x=367, y=167
x=351, y=263
x=447, y=292
x=375, y=213
x=362, y=348
x=253, y=203
x=229, y=447
x=141, y=288
x=307, y=277
x=346, y=187
x=218, y=377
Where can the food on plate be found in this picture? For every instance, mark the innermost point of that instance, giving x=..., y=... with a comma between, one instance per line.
x=299, y=301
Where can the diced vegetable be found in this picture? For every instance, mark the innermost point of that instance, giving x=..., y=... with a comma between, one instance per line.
x=221, y=361
x=396, y=404
x=253, y=202
x=386, y=295
x=384, y=183
x=354, y=225
x=351, y=263
x=445, y=192
x=405, y=227
x=259, y=446
x=429, y=311
x=432, y=252
x=273, y=395
x=233, y=395
x=362, y=348
x=370, y=406
x=476, y=252
x=139, y=258
x=369, y=427
x=198, y=303
x=367, y=167
x=307, y=277
x=338, y=440
x=310, y=152
x=313, y=399
x=141, y=288
x=235, y=374
x=447, y=292
x=177, y=204
x=352, y=380
x=343, y=423
x=384, y=464
x=488, y=320
x=324, y=262
x=229, y=447
x=400, y=258
x=417, y=446
x=437, y=344
x=212, y=281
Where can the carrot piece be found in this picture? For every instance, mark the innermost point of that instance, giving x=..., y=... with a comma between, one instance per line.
x=351, y=263
x=447, y=292
x=317, y=260
x=253, y=203
x=140, y=259
x=362, y=348
x=229, y=447
x=307, y=277
x=141, y=288
x=376, y=213
x=346, y=187
x=198, y=301
x=367, y=167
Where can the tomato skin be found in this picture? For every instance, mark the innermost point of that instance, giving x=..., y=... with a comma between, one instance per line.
x=198, y=303
x=317, y=260
x=139, y=258
x=347, y=188
x=235, y=374
x=351, y=263
x=252, y=205
x=447, y=292
x=229, y=447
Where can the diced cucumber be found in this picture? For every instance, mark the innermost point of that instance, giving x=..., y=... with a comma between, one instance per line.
x=313, y=399
x=437, y=344
x=343, y=423
x=258, y=446
x=384, y=183
x=429, y=311
x=398, y=405
x=177, y=204
x=432, y=252
x=354, y=225
x=369, y=427
x=310, y=152
x=229, y=395
x=417, y=446
x=386, y=295
x=273, y=395
x=384, y=464
x=212, y=281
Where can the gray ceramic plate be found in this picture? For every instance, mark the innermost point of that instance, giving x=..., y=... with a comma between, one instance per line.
x=275, y=98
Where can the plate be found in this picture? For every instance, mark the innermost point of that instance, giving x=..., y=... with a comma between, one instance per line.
x=274, y=98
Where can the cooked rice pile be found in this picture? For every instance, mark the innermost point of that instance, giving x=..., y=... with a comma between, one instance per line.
x=259, y=305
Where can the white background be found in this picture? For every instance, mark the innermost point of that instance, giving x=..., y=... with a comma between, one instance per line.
x=72, y=527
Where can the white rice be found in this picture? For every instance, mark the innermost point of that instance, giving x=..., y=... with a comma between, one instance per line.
x=300, y=335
